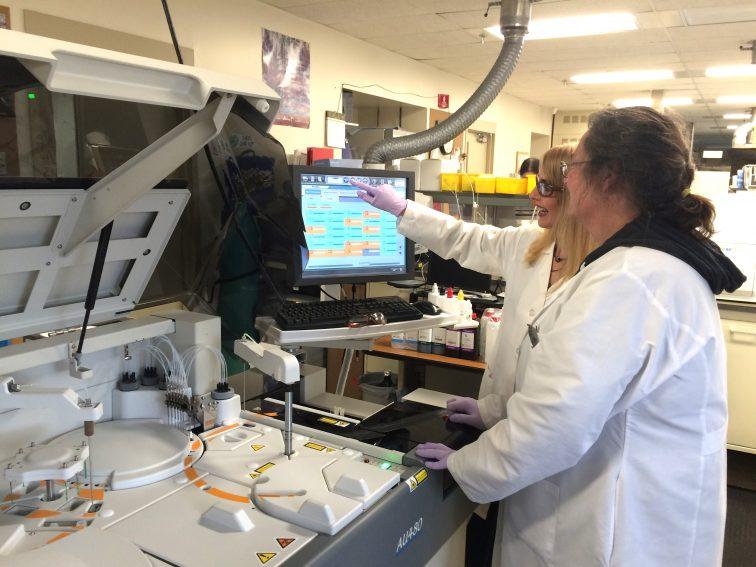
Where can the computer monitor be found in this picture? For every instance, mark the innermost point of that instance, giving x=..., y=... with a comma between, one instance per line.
x=348, y=240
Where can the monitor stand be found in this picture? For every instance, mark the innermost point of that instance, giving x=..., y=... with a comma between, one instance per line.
x=407, y=284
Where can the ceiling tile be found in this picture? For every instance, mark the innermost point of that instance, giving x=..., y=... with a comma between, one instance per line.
x=719, y=14
x=473, y=19
x=464, y=51
x=291, y=3
x=408, y=24
x=428, y=42
x=689, y=4
x=655, y=20
x=353, y=11
x=561, y=8
x=743, y=30
x=446, y=6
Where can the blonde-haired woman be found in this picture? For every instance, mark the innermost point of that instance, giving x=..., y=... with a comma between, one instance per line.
x=533, y=261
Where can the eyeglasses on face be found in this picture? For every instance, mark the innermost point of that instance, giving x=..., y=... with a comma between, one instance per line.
x=565, y=167
x=546, y=189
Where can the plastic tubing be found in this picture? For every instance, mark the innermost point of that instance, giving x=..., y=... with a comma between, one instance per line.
x=179, y=372
x=190, y=355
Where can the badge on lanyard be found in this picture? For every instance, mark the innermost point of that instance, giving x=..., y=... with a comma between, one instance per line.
x=533, y=335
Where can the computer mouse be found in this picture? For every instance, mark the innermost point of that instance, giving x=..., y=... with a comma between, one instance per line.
x=427, y=308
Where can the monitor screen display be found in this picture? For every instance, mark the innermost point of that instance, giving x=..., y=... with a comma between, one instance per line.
x=348, y=240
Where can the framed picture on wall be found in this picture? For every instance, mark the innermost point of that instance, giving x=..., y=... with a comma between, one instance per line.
x=4, y=17
x=286, y=68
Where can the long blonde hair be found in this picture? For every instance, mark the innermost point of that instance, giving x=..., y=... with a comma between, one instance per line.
x=573, y=239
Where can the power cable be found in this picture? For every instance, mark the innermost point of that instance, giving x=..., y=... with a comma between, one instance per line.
x=328, y=294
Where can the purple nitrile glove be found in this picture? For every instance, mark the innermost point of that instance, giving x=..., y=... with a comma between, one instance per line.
x=436, y=453
x=465, y=411
x=382, y=197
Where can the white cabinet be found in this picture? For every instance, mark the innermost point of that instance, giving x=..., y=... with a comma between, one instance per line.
x=740, y=338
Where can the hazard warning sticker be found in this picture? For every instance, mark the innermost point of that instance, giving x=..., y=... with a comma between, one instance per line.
x=285, y=542
x=415, y=480
x=264, y=468
x=256, y=448
x=315, y=446
x=336, y=422
x=265, y=557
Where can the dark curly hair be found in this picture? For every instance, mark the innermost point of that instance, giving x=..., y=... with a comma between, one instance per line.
x=648, y=152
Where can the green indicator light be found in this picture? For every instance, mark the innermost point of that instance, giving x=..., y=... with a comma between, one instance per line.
x=385, y=466
x=31, y=96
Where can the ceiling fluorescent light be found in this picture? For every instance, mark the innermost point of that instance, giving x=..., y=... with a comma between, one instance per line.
x=622, y=76
x=576, y=26
x=737, y=116
x=737, y=99
x=625, y=102
x=732, y=71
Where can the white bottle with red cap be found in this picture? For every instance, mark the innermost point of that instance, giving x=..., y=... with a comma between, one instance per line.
x=492, y=333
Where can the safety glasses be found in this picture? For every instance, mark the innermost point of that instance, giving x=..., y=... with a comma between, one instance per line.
x=565, y=167
x=546, y=189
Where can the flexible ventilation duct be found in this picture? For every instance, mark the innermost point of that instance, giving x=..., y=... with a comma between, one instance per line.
x=514, y=19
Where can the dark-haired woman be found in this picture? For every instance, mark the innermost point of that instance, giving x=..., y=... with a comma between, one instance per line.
x=529, y=166
x=613, y=448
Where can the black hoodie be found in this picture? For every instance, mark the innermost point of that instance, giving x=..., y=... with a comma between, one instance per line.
x=701, y=254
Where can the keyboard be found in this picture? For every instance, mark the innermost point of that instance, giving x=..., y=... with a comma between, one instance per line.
x=329, y=314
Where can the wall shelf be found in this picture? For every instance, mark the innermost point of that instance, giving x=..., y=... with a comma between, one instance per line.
x=484, y=199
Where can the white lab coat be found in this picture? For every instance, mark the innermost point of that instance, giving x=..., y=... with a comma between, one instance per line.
x=499, y=252
x=613, y=449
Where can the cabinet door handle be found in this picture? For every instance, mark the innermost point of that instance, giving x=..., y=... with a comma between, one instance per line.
x=741, y=331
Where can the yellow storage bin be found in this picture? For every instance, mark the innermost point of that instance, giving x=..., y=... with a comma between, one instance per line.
x=511, y=186
x=485, y=184
x=467, y=181
x=532, y=180
x=449, y=182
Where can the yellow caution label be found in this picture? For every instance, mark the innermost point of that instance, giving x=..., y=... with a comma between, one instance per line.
x=265, y=557
x=414, y=481
x=330, y=449
x=254, y=475
x=256, y=448
x=336, y=422
x=285, y=542
x=264, y=468
x=315, y=446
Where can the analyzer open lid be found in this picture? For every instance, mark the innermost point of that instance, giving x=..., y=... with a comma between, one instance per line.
x=91, y=136
x=65, y=67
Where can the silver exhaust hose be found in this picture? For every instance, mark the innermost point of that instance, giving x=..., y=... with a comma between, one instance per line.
x=515, y=15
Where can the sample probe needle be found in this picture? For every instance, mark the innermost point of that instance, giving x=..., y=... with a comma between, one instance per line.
x=88, y=432
x=287, y=421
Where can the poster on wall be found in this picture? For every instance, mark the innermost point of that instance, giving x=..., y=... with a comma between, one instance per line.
x=4, y=18
x=286, y=69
